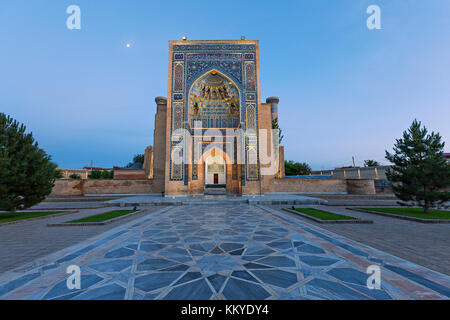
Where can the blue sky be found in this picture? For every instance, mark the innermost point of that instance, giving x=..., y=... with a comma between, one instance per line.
x=344, y=90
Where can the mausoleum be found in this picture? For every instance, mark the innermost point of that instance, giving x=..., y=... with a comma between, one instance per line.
x=212, y=131
x=213, y=134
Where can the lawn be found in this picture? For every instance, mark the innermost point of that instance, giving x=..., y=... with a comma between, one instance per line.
x=414, y=212
x=323, y=215
x=104, y=216
x=9, y=216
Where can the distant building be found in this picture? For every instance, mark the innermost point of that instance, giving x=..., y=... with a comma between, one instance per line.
x=96, y=168
x=447, y=156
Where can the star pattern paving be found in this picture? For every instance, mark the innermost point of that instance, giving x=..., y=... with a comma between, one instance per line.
x=203, y=252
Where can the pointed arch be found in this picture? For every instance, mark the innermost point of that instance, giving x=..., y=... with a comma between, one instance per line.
x=215, y=101
x=217, y=150
x=219, y=73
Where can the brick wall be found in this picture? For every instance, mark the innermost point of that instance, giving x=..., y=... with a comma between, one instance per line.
x=65, y=187
x=129, y=174
x=309, y=185
x=349, y=186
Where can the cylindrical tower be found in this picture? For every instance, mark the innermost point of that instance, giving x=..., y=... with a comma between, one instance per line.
x=273, y=106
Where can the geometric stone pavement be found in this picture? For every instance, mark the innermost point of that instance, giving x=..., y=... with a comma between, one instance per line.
x=221, y=252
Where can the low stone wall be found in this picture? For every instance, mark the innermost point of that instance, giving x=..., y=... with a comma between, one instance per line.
x=65, y=187
x=355, y=173
x=129, y=174
x=309, y=185
x=360, y=186
x=350, y=186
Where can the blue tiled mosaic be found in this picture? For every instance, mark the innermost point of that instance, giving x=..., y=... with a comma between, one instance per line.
x=221, y=252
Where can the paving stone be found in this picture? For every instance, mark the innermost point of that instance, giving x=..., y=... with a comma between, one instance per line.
x=197, y=290
x=421, y=243
x=217, y=281
x=193, y=252
x=277, y=278
x=109, y=292
x=37, y=240
x=239, y=290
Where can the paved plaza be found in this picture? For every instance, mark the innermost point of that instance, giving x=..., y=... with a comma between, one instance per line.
x=235, y=251
x=26, y=241
x=425, y=244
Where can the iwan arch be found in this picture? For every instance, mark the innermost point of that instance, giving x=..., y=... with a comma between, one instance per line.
x=212, y=131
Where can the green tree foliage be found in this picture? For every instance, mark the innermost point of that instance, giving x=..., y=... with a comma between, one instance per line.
x=275, y=125
x=75, y=176
x=58, y=174
x=27, y=174
x=371, y=163
x=95, y=174
x=107, y=174
x=292, y=168
x=138, y=158
x=420, y=172
x=98, y=174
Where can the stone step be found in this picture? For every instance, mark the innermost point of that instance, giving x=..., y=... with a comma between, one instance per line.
x=213, y=200
x=215, y=191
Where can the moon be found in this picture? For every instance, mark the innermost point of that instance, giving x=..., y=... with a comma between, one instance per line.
x=128, y=45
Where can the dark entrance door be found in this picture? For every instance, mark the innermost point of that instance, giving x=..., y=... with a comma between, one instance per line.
x=216, y=178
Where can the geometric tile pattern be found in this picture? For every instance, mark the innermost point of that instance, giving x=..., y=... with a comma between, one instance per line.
x=223, y=252
x=190, y=63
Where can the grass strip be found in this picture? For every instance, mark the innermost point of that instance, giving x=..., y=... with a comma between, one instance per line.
x=104, y=216
x=414, y=212
x=323, y=215
x=10, y=216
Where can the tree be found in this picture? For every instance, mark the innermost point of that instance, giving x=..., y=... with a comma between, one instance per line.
x=275, y=125
x=420, y=170
x=371, y=163
x=95, y=174
x=107, y=174
x=75, y=176
x=292, y=168
x=58, y=174
x=27, y=174
x=138, y=158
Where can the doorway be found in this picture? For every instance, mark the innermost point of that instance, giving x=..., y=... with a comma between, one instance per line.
x=215, y=170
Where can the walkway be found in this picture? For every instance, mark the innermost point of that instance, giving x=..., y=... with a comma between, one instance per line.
x=222, y=252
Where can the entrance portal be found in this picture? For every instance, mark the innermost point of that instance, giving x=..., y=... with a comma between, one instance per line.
x=215, y=170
